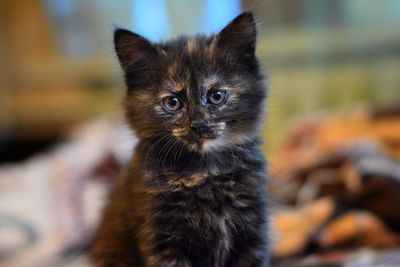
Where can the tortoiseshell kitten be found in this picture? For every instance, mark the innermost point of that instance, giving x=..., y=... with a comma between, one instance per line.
x=194, y=193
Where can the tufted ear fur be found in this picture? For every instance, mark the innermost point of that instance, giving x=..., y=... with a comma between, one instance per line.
x=239, y=36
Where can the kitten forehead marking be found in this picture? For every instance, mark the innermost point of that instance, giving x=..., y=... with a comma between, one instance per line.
x=176, y=86
x=191, y=45
x=178, y=77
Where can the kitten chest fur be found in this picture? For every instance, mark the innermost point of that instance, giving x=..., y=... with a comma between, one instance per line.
x=210, y=211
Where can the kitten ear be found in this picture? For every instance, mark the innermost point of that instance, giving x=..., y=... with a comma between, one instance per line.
x=134, y=51
x=239, y=36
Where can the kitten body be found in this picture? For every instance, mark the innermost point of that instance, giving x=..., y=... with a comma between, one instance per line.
x=194, y=193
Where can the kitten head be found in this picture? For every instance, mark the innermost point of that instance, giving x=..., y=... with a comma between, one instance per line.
x=204, y=93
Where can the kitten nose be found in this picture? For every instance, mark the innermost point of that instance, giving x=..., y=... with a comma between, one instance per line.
x=200, y=128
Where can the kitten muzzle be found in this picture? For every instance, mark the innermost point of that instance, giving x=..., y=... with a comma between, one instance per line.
x=201, y=131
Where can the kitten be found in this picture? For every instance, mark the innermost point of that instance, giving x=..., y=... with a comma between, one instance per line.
x=194, y=193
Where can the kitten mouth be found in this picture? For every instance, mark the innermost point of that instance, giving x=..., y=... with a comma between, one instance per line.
x=204, y=138
x=203, y=141
x=198, y=142
x=200, y=138
x=202, y=144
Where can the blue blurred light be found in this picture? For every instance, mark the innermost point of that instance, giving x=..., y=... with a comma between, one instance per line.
x=395, y=10
x=219, y=13
x=60, y=8
x=150, y=19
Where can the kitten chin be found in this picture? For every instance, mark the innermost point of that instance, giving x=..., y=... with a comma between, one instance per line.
x=225, y=142
x=194, y=192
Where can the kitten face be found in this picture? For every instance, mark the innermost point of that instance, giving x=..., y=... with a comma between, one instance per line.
x=205, y=93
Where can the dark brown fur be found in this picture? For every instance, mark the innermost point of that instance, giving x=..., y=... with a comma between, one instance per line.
x=194, y=193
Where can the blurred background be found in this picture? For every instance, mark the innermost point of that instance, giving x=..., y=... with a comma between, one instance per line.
x=334, y=74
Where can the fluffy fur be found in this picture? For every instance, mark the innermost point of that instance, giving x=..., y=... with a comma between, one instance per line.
x=194, y=193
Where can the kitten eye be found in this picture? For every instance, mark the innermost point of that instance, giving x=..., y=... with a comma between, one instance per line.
x=216, y=97
x=171, y=103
